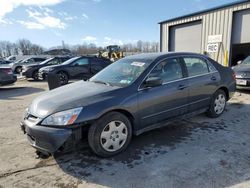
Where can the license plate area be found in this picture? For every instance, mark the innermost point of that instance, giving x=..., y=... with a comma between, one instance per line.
x=241, y=82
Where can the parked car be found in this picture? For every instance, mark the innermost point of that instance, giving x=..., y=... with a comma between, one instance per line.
x=17, y=66
x=6, y=75
x=4, y=62
x=78, y=67
x=242, y=72
x=133, y=95
x=31, y=71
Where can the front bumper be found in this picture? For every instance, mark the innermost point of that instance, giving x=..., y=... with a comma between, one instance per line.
x=45, y=139
x=27, y=73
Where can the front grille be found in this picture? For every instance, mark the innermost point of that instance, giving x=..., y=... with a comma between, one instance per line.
x=243, y=75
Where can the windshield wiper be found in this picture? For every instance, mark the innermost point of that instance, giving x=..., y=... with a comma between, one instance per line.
x=102, y=82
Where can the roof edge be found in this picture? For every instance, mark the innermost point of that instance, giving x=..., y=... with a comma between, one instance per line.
x=206, y=10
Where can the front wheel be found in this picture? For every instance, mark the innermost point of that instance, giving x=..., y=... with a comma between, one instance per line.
x=110, y=135
x=218, y=104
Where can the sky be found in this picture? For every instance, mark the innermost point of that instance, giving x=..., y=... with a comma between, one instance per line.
x=102, y=22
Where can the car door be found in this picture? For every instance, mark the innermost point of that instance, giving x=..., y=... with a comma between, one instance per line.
x=160, y=103
x=203, y=80
x=80, y=68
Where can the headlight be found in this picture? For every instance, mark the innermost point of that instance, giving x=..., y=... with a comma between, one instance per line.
x=67, y=117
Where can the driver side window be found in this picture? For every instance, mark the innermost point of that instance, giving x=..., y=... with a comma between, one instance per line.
x=80, y=62
x=54, y=62
x=168, y=70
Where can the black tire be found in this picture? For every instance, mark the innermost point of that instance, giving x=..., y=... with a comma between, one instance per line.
x=64, y=78
x=213, y=112
x=18, y=69
x=96, y=130
x=35, y=76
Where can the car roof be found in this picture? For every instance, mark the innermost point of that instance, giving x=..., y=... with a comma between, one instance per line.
x=154, y=56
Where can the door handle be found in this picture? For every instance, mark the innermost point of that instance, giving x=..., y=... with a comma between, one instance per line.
x=181, y=87
x=213, y=78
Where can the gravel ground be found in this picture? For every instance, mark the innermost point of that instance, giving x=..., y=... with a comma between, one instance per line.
x=197, y=152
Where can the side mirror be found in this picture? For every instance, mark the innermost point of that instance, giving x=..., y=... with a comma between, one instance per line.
x=153, y=82
x=239, y=62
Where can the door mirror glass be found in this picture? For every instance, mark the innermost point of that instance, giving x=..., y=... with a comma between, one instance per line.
x=153, y=82
x=239, y=62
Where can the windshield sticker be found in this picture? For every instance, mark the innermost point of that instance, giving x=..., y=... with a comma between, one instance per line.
x=138, y=64
x=125, y=81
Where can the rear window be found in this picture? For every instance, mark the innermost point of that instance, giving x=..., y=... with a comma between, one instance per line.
x=196, y=66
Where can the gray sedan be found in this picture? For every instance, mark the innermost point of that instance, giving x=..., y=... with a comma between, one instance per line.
x=242, y=72
x=133, y=95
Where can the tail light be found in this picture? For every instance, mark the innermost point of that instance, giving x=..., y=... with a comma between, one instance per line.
x=7, y=71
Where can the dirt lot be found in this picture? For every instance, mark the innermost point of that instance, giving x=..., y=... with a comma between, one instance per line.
x=198, y=152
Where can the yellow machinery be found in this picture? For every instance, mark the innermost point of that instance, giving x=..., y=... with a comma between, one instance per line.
x=113, y=53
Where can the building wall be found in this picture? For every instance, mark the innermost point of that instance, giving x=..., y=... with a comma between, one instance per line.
x=213, y=23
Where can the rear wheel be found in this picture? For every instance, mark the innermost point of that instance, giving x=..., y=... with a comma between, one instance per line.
x=110, y=135
x=218, y=104
x=64, y=79
x=35, y=75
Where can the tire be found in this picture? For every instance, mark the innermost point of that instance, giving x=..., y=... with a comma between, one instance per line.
x=35, y=75
x=110, y=135
x=64, y=78
x=18, y=69
x=218, y=104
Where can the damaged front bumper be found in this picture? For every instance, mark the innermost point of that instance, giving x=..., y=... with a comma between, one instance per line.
x=45, y=139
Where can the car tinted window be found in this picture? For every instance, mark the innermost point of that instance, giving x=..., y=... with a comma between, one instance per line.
x=196, y=66
x=168, y=70
x=246, y=61
x=39, y=59
x=53, y=62
x=83, y=61
x=31, y=60
x=96, y=61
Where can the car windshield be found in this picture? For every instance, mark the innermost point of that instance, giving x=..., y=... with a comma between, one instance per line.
x=46, y=61
x=70, y=61
x=246, y=61
x=121, y=73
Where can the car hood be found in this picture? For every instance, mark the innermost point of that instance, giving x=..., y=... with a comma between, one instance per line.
x=241, y=68
x=78, y=94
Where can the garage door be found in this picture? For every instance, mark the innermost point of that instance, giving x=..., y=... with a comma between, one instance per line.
x=185, y=37
x=241, y=28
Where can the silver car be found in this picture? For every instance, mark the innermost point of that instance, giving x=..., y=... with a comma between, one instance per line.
x=17, y=66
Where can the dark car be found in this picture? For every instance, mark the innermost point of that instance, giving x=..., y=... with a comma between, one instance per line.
x=78, y=67
x=131, y=96
x=17, y=66
x=31, y=71
x=6, y=75
x=4, y=62
x=242, y=72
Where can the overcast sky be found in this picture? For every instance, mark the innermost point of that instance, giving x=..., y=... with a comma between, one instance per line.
x=103, y=22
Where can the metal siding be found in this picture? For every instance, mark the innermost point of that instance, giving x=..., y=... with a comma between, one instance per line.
x=186, y=37
x=213, y=22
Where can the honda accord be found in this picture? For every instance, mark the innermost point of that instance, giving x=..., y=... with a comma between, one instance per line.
x=133, y=95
